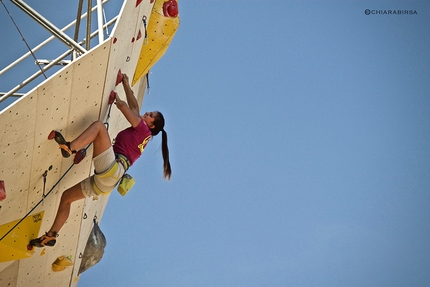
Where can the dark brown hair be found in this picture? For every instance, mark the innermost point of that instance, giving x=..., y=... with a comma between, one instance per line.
x=159, y=127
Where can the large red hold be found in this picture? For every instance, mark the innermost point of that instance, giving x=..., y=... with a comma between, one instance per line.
x=170, y=8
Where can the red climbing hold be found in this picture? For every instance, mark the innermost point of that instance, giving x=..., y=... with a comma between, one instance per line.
x=51, y=135
x=170, y=8
x=2, y=190
x=30, y=247
x=139, y=35
x=118, y=77
x=112, y=97
x=138, y=2
x=80, y=155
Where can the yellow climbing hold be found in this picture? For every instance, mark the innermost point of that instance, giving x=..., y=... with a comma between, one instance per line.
x=61, y=263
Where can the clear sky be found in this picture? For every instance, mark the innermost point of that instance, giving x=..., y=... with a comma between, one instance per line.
x=299, y=135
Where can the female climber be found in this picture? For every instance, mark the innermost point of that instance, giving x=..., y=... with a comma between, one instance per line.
x=110, y=161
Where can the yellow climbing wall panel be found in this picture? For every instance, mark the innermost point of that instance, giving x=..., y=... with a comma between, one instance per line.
x=162, y=26
x=14, y=246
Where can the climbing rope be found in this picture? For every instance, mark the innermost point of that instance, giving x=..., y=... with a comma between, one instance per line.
x=40, y=201
x=23, y=39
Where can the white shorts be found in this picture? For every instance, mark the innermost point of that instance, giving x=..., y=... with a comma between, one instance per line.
x=107, y=174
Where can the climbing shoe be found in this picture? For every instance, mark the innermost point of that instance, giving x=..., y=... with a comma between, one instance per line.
x=64, y=145
x=45, y=240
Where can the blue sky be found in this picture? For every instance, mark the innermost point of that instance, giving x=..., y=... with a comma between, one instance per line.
x=299, y=137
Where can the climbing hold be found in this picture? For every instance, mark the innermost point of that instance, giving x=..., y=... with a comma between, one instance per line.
x=138, y=2
x=139, y=35
x=114, y=40
x=51, y=135
x=80, y=155
x=112, y=97
x=61, y=263
x=2, y=190
x=118, y=77
x=170, y=8
x=30, y=247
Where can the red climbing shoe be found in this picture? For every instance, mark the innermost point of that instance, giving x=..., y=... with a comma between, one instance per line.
x=64, y=145
x=45, y=240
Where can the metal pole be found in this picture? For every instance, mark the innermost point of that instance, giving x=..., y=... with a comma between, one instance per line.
x=88, y=42
x=78, y=20
x=11, y=93
x=100, y=20
x=34, y=76
x=48, y=25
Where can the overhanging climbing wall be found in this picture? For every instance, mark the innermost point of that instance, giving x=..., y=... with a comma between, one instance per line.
x=69, y=101
x=162, y=27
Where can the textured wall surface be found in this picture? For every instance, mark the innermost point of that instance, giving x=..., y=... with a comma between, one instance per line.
x=69, y=102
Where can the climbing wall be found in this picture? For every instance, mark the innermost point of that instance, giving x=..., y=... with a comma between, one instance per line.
x=126, y=42
x=162, y=26
x=69, y=102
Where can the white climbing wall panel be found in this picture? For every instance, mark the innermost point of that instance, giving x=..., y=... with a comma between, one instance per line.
x=69, y=102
